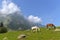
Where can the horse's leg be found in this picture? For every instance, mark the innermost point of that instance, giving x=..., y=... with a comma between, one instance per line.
x=47, y=26
x=36, y=29
x=33, y=30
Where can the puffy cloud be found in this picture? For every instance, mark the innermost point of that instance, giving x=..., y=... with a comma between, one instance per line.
x=9, y=7
x=34, y=19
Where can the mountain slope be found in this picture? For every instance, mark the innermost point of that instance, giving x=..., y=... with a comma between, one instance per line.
x=17, y=21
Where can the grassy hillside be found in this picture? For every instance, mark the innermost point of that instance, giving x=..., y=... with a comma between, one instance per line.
x=43, y=35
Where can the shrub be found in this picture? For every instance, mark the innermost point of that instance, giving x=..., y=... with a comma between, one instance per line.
x=3, y=29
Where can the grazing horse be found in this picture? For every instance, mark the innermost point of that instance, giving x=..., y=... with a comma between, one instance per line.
x=35, y=28
x=50, y=25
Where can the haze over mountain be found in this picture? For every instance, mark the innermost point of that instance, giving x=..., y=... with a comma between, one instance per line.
x=12, y=17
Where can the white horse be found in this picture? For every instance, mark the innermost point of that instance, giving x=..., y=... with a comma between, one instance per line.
x=35, y=28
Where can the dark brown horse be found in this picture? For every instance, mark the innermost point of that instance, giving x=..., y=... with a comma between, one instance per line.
x=51, y=25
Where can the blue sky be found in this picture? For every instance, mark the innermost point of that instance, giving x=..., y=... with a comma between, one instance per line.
x=47, y=10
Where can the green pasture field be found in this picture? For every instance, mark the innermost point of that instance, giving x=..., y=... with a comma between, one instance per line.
x=44, y=34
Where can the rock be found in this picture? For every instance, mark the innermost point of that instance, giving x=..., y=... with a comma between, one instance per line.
x=22, y=36
x=57, y=29
x=5, y=38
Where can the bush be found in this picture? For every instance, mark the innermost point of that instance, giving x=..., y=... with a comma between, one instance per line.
x=3, y=29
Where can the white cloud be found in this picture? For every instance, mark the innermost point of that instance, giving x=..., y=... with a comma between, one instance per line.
x=34, y=19
x=8, y=7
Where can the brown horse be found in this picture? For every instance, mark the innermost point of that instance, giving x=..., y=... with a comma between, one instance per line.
x=51, y=25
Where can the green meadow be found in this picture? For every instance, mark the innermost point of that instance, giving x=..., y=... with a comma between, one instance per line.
x=44, y=34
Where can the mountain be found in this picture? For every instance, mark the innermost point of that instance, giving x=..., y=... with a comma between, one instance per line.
x=17, y=21
x=4, y=19
x=37, y=24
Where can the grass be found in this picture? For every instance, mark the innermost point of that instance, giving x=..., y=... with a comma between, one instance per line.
x=44, y=34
